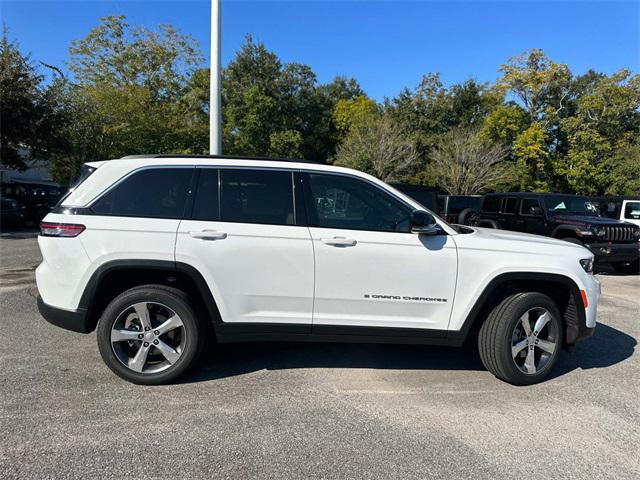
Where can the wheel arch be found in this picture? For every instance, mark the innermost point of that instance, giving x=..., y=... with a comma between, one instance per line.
x=562, y=231
x=114, y=277
x=562, y=289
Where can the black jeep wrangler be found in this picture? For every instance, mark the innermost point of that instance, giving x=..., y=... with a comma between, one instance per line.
x=568, y=217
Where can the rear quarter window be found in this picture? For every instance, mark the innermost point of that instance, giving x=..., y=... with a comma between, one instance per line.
x=153, y=193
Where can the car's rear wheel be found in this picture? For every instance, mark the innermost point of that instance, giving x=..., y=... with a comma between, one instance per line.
x=627, y=267
x=149, y=335
x=521, y=339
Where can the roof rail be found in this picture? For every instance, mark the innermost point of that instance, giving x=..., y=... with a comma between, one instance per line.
x=222, y=157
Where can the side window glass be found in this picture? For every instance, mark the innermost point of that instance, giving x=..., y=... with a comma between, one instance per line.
x=257, y=196
x=632, y=210
x=154, y=193
x=530, y=206
x=342, y=202
x=509, y=205
x=206, y=205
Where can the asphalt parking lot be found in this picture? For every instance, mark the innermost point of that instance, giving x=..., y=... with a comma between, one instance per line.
x=313, y=411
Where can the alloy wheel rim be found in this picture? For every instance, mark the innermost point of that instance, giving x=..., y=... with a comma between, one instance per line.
x=148, y=337
x=534, y=341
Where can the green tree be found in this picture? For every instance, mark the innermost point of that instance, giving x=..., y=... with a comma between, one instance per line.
x=353, y=112
x=603, y=135
x=29, y=119
x=533, y=161
x=273, y=108
x=129, y=94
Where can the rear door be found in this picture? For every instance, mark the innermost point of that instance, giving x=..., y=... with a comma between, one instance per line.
x=508, y=213
x=530, y=218
x=248, y=240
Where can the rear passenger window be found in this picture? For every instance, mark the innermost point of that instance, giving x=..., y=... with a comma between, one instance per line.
x=154, y=193
x=206, y=205
x=509, y=205
x=257, y=196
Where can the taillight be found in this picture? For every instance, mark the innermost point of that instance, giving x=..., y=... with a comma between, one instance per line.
x=60, y=229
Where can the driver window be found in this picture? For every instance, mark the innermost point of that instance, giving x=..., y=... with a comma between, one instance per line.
x=349, y=203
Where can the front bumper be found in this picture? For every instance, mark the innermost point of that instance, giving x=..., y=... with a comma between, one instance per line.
x=74, y=320
x=614, y=252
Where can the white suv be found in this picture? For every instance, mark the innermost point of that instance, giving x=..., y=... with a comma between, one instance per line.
x=158, y=252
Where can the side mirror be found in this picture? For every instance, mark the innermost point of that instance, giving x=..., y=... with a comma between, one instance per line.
x=424, y=223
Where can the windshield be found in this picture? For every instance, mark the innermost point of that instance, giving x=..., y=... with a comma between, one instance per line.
x=569, y=204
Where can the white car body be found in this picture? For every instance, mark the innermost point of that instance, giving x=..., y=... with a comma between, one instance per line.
x=630, y=211
x=303, y=275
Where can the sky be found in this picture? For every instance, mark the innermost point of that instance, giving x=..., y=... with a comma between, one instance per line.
x=385, y=45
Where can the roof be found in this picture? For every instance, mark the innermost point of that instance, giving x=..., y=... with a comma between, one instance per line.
x=533, y=194
x=220, y=157
x=614, y=198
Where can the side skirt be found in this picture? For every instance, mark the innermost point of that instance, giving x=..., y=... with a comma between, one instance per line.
x=245, y=332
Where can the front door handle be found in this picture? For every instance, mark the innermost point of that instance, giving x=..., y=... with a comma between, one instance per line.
x=208, y=235
x=339, y=241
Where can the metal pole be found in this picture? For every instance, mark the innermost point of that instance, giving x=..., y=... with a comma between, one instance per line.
x=215, y=105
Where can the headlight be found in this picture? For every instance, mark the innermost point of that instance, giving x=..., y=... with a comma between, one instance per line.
x=599, y=231
x=587, y=264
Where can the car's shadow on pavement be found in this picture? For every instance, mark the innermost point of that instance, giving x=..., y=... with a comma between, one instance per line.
x=607, y=347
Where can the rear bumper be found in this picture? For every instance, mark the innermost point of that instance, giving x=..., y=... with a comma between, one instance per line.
x=614, y=252
x=74, y=320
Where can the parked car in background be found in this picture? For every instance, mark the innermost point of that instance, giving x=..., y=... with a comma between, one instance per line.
x=573, y=218
x=622, y=208
x=460, y=209
x=38, y=198
x=12, y=213
x=426, y=196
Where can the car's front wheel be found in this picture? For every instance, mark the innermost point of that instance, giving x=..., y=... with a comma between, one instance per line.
x=149, y=335
x=521, y=339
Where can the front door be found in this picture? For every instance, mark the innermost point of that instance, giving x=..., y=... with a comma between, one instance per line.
x=245, y=239
x=370, y=270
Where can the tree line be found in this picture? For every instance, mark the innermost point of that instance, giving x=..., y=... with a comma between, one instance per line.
x=131, y=90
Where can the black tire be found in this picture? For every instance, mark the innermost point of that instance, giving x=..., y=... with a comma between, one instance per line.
x=191, y=333
x=496, y=337
x=468, y=216
x=573, y=240
x=631, y=268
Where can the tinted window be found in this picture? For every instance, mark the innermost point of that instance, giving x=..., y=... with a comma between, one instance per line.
x=632, y=210
x=491, y=203
x=608, y=209
x=528, y=205
x=257, y=196
x=569, y=204
x=156, y=193
x=206, y=205
x=509, y=205
x=342, y=202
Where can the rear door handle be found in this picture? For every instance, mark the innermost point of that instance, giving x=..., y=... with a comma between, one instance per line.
x=339, y=241
x=208, y=235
